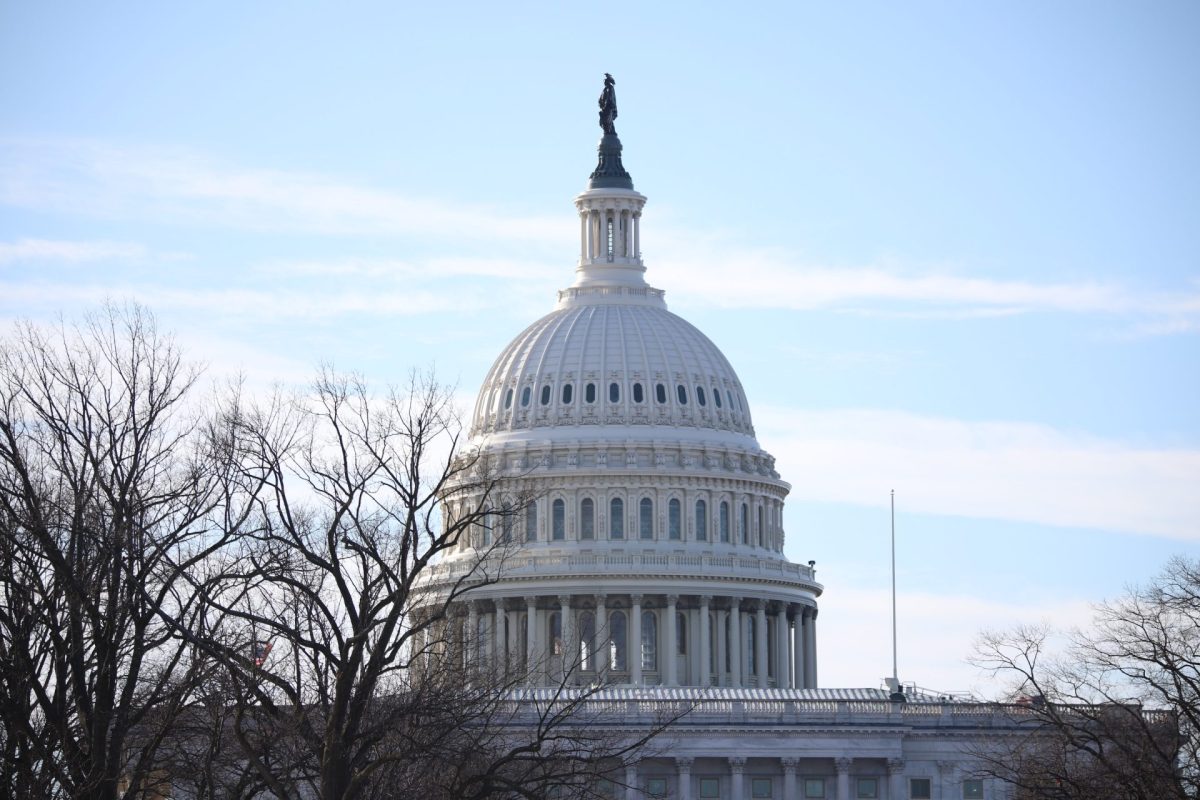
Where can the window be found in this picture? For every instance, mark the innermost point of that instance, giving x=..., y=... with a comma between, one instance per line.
x=506, y=522
x=749, y=624
x=638, y=395
x=761, y=532
x=531, y=521
x=614, y=393
x=587, y=519
x=616, y=519
x=554, y=631
x=743, y=524
x=723, y=521
x=729, y=397
x=487, y=526
x=712, y=638
x=619, y=643
x=568, y=393
x=587, y=638
x=674, y=520
x=649, y=641
x=814, y=787
x=710, y=788
x=656, y=787
x=646, y=518
x=700, y=396
x=972, y=789
x=681, y=391
x=760, y=788
x=609, y=239
x=589, y=393
x=558, y=520
x=660, y=393
x=867, y=788
x=701, y=521
x=525, y=396
x=919, y=789
x=546, y=395
x=681, y=633
x=717, y=396
x=508, y=399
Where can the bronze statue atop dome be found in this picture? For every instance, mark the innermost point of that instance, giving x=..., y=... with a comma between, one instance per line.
x=608, y=105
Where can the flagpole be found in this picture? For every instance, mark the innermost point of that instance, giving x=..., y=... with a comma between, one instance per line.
x=895, y=669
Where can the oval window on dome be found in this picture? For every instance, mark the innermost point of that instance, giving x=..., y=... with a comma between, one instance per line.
x=660, y=393
x=525, y=393
x=589, y=393
x=700, y=398
x=717, y=396
x=637, y=393
x=680, y=390
x=614, y=392
x=729, y=397
x=546, y=395
x=508, y=400
x=568, y=393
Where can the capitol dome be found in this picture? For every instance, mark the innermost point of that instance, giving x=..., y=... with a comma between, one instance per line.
x=636, y=526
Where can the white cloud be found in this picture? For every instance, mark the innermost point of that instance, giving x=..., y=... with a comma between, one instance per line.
x=24, y=250
x=998, y=470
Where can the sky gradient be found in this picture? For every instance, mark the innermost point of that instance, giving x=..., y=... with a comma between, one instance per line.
x=951, y=249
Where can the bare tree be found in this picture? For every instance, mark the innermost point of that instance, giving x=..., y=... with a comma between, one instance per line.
x=111, y=490
x=349, y=674
x=1117, y=712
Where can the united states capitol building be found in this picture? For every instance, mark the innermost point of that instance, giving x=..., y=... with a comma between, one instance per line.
x=651, y=553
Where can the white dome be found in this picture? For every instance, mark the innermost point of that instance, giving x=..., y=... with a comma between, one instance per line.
x=613, y=357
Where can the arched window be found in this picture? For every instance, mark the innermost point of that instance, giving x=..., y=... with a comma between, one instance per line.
x=646, y=518
x=546, y=395
x=701, y=521
x=614, y=392
x=525, y=396
x=681, y=391
x=531, y=521
x=674, y=520
x=649, y=641
x=723, y=521
x=587, y=639
x=638, y=396
x=618, y=641
x=660, y=393
x=587, y=519
x=568, y=393
x=700, y=396
x=589, y=393
x=558, y=520
x=743, y=524
x=717, y=396
x=554, y=633
x=609, y=238
x=508, y=399
x=616, y=519
x=506, y=522
x=486, y=525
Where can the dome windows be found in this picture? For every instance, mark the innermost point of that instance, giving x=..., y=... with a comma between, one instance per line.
x=546, y=395
x=568, y=393
x=587, y=518
x=646, y=518
x=614, y=392
x=660, y=394
x=558, y=519
x=638, y=396
x=674, y=519
x=589, y=393
x=717, y=396
x=508, y=399
x=525, y=395
x=700, y=398
x=616, y=519
x=701, y=521
x=680, y=390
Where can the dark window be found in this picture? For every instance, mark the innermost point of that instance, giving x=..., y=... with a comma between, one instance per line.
x=674, y=520
x=637, y=393
x=525, y=396
x=614, y=392
x=616, y=519
x=744, y=524
x=920, y=789
x=701, y=521
x=587, y=519
x=660, y=393
x=546, y=395
x=559, y=520
x=729, y=397
x=508, y=399
x=717, y=396
x=723, y=521
x=531, y=522
x=680, y=390
x=568, y=393
x=700, y=396
x=646, y=518
x=589, y=393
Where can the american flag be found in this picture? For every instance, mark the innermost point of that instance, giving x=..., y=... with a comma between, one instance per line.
x=260, y=651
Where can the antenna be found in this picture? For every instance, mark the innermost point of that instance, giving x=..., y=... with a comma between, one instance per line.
x=897, y=693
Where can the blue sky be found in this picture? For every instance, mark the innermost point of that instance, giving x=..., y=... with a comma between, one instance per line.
x=951, y=249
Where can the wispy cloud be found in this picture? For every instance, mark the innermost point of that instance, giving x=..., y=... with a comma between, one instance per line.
x=999, y=470
x=30, y=250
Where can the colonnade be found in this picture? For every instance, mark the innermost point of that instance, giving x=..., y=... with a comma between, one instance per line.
x=645, y=639
x=595, y=241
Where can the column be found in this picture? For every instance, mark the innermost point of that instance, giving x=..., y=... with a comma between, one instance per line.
x=632, y=791
x=705, y=658
x=684, y=765
x=895, y=768
x=531, y=648
x=570, y=652
x=735, y=646
x=637, y=235
x=737, y=778
x=500, y=656
x=789, y=766
x=722, y=676
x=782, y=662
x=601, y=643
x=670, y=636
x=583, y=238
x=810, y=649
x=843, y=777
x=514, y=638
x=798, y=648
x=471, y=639
x=635, y=643
x=760, y=644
